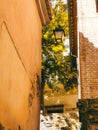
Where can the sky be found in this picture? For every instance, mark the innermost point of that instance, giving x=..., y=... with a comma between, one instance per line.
x=54, y=1
x=67, y=46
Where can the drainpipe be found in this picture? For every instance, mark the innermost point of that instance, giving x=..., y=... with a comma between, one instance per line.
x=78, y=66
x=78, y=57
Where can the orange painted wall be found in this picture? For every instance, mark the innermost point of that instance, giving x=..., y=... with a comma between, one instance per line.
x=20, y=64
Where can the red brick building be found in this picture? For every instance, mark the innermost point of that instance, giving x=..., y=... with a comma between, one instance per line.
x=87, y=22
x=83, y=27
x=83, y=23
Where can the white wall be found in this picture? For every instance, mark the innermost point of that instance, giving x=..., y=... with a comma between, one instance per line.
x=88, y=20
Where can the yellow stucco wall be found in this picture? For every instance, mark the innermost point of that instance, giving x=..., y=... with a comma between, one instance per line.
x=20, y=64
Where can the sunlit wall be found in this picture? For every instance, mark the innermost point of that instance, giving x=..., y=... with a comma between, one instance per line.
x=20, y=64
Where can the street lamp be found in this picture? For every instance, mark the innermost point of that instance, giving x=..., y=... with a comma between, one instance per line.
x=59, y=34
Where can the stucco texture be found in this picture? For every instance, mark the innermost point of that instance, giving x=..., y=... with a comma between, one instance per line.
x=20, y=64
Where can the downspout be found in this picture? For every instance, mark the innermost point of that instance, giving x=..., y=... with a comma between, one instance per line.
x=78, y=66
x=78, y=58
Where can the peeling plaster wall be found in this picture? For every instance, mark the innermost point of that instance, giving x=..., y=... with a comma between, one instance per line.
x=88, y=68
x=88, y=20
x=20, y=64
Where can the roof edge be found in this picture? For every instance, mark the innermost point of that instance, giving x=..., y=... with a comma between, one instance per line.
x=44, y=11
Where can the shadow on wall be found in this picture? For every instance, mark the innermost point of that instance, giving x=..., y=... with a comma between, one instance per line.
x=2, y=127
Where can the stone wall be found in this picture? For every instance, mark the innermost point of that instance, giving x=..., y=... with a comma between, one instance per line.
x=88, y=68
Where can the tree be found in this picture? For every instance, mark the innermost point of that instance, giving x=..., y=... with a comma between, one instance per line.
x=57, y=68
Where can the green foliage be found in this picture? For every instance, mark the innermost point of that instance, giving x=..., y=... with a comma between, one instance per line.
x=57, y=68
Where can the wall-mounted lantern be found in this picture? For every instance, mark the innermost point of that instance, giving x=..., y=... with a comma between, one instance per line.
x=59, y=34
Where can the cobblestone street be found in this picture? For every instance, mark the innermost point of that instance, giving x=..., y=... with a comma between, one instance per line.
x=60, y=121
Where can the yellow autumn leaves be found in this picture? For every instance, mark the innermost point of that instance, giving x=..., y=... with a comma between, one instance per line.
x=58, y=48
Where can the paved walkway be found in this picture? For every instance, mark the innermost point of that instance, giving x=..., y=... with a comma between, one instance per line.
x=60, y=121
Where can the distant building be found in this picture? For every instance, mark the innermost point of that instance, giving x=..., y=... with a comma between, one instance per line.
x=20, y=62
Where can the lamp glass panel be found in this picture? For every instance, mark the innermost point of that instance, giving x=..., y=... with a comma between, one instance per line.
x=58, y=35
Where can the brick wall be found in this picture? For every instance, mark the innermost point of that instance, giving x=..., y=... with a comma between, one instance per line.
x=88, y=68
